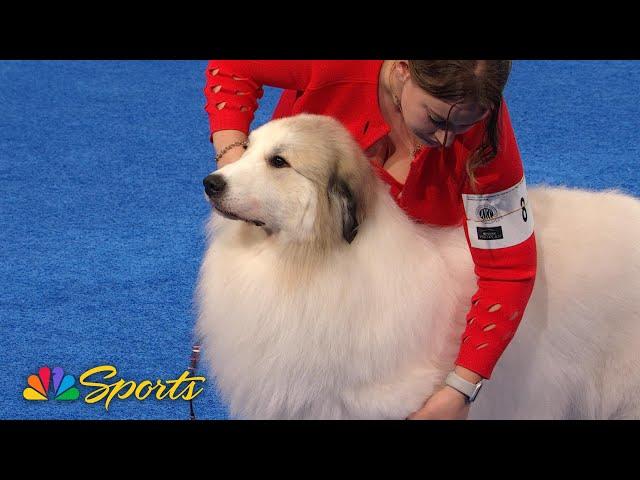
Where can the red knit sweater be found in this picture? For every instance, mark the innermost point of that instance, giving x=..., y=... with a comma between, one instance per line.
x=437, y=190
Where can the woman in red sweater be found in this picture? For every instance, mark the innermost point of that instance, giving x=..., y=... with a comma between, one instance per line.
x=438, y=132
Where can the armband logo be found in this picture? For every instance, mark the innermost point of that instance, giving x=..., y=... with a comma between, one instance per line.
x=487, y=213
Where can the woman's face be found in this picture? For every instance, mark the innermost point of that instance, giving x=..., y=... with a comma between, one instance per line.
x=426, y=115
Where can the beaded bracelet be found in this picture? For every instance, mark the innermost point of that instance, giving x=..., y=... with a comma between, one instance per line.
x=239, y=143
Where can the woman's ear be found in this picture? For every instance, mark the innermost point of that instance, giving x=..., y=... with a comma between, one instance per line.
x=402, y=66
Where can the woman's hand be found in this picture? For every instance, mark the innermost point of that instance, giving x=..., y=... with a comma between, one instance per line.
x=446, y=404
x=224, y=138
x=231, y=156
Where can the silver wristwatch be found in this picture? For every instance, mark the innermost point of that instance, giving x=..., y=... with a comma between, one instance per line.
x=468, y=389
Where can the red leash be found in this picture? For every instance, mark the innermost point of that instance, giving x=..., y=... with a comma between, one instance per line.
x=195, y=357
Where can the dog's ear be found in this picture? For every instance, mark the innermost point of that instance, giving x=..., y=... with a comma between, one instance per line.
x=343, y=198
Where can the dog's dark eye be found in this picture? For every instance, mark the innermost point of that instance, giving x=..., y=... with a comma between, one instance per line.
x=278, y=162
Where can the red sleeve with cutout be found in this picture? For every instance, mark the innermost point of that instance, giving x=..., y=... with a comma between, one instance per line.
x=233, y=88
x=506, y=267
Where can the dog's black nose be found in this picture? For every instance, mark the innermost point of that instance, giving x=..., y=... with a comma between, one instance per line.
x=214, y=185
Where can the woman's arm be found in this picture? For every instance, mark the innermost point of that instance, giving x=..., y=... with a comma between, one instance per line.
x=225, y=138
x=232, y=90
x=499, y=231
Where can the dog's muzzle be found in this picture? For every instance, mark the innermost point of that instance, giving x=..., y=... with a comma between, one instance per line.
x=215, y=185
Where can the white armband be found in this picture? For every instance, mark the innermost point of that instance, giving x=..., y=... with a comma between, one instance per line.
x=500, y=219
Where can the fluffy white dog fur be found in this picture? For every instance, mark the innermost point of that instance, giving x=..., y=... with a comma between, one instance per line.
x=299, y=323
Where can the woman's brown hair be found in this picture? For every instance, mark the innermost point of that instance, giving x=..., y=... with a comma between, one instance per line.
x=473, y=81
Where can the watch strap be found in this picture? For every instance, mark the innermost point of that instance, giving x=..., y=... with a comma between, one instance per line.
x=468, y=389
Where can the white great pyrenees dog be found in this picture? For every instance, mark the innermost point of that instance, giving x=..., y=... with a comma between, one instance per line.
x=319, y=298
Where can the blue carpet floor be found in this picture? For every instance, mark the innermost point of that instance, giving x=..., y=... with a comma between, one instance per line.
x=102, y=213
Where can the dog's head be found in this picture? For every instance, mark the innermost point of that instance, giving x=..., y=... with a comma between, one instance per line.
x=303, y=176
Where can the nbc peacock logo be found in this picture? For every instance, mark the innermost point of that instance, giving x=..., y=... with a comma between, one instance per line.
x=51, y=384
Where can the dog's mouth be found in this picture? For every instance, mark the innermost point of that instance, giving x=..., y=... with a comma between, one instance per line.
x=233, y=216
